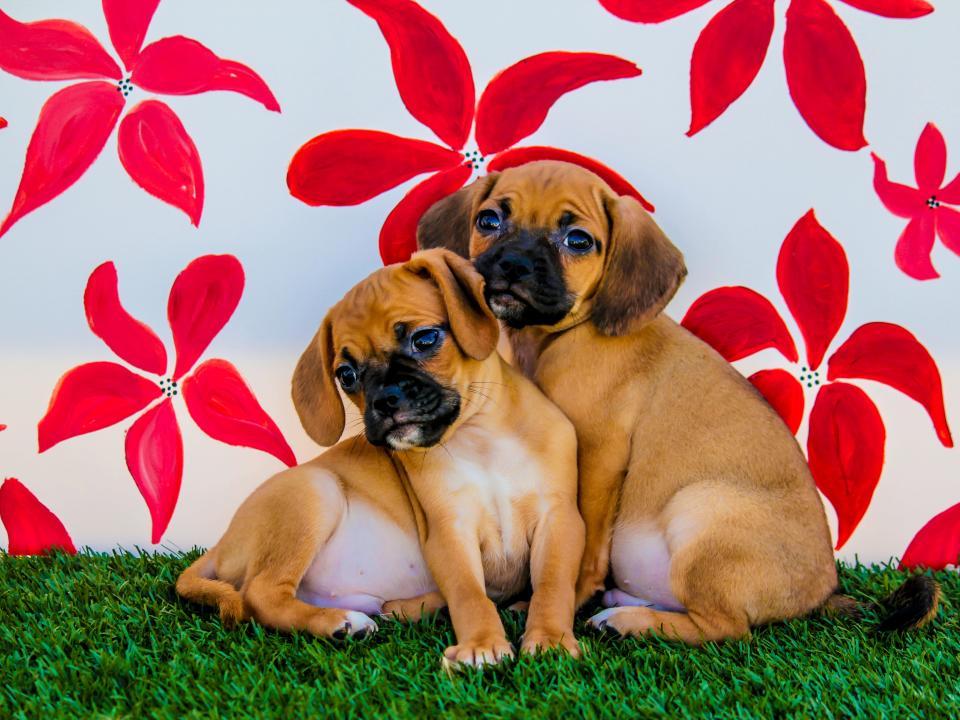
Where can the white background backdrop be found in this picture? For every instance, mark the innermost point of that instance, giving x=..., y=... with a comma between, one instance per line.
x=727, y=197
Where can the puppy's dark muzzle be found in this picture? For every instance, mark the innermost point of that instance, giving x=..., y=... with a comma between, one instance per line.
x=524, y=281
x=409, y=412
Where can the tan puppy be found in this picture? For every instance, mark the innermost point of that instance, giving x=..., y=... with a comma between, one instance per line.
x=694, y=492
x=464, y=488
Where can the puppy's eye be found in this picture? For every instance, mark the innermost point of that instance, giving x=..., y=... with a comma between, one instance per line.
x=578, y=240
x=488, y=221
x=347, y=377
x=424, y=340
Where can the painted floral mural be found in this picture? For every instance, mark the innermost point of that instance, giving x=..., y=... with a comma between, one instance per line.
x=76, y=122
x=577, y=66
x=825, y=73
x=847, y=436
x=96, y=395
x=347, y=167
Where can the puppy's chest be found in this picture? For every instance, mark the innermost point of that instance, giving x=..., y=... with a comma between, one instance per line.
x=495, y=489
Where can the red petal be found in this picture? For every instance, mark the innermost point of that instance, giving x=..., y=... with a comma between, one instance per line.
x=937, y=544
x=650, y=11
x=202, y=299
x=890, y=354
x=845, y=452
x=32, y=529
x=814, y=278
x=73, y=127
x=128, y=23
x=160, y=156
x=398, y=236
x=727, y=57
x=129, y=338
x=348, y=167
x=930, y=160
x=914, y=247
x=948, y=227
x=522, y=155
x=91, y=397
x=784, y=393
x=223, y=407
x=233, y=76
x=154, y=451
x=53, y=50
x=950, y=193
x=182, y=66
x=3, y=123
x=893, y=8
x=430, y=67
x=899, y=199
x=737, y=322
x=516, y=102
x=825, y=73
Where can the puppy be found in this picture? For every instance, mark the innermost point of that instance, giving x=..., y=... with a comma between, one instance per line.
x=693, y=491
x=463, y=489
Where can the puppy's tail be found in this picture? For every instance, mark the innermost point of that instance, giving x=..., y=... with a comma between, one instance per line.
x=198, y=584
x=910, y=606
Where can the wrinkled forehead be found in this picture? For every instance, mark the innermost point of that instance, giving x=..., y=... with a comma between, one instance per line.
x=375, y=315
x=540, y=193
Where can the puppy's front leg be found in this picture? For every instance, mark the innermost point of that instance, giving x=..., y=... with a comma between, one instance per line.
x=554, y=559
x=454, y=560
x=602, y=465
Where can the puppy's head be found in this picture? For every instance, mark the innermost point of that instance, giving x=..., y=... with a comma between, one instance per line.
x=403, y=346
x=554, y=242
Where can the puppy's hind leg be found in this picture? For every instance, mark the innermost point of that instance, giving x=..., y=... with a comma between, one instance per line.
x=198, y=585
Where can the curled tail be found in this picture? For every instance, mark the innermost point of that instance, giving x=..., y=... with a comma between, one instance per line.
x=198, y=584
x=910, y=606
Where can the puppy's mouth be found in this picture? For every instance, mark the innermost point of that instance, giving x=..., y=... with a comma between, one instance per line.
x=519, y=306
x=408, y=430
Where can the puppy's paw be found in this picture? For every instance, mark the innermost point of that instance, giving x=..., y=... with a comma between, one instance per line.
x=341, y=624
x=488, y=651
x=413, y=609
x=606, y=620
x=536, y=641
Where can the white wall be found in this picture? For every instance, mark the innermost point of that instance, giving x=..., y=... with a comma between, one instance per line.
x=727, y=197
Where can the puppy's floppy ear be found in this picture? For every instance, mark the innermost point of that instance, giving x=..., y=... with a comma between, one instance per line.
x=449, y=222
x=642, y=271
x=315, y=394
x=474, y=326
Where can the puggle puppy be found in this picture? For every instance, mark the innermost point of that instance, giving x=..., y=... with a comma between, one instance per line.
x=695, y=494
x=462, y=490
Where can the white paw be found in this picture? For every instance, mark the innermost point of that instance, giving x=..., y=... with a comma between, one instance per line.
x=600, y=620
x=356, y=625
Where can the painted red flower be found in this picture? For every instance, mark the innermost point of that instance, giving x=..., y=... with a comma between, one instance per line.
x=3, y=123
x=925, y=205
x=76, y=122
x=846, y=438
x=32, y=529
x=435, y=81
x=937, y=545
x=825, y=73
x=99, y=394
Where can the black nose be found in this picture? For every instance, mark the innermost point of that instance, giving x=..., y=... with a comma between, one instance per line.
x=515, y=266
x=388, y=400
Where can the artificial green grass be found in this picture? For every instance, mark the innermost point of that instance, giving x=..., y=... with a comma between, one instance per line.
x=101, y=635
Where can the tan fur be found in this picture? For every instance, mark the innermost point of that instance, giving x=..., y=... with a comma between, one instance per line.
x=258, y=567
x=671, y=437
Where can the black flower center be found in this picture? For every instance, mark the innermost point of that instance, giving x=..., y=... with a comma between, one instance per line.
x=125, y=87
x=932, y=202
x=474, y=158
x=169, y=387
x=810, y=378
